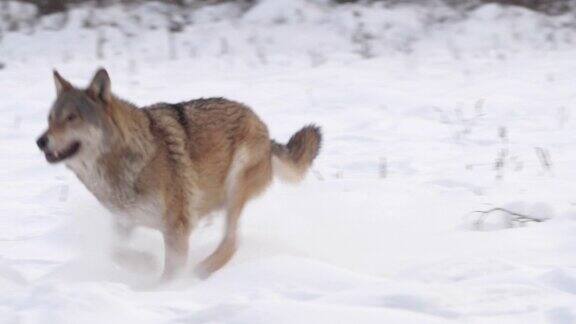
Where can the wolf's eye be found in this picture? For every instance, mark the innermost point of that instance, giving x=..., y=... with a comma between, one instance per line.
x=71, y=117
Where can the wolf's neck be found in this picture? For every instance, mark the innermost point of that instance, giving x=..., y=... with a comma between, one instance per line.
x=133, y=129
x=113, y=176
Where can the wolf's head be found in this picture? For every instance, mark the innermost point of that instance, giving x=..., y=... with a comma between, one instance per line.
x=79, y=121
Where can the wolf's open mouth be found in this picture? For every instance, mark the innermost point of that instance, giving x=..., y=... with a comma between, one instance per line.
x=54, y=157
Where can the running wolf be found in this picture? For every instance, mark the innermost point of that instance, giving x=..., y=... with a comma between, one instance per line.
x=165, y=166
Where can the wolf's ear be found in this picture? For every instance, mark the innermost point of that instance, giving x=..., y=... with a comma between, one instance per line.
x=100, y=86
x=60, y=83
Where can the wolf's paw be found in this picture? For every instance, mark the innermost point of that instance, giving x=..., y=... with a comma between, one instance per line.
x=204, y=270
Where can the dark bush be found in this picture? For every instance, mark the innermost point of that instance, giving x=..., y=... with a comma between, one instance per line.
x=551, y=7
x=46, y=7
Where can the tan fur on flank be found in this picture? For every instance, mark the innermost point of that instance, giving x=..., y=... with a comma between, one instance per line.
x=166, y=166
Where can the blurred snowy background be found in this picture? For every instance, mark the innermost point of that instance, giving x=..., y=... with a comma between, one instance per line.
x=435, y=113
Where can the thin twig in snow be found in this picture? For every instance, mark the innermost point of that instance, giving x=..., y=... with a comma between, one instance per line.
x=318, y=175
x=500, y=163
x=544, y=158
x=516, y=217
x=383, y=168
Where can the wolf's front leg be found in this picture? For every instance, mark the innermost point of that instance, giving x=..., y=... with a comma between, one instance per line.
x=176, y=235
x=127, y=257
x=122, y=231
x=121, y=234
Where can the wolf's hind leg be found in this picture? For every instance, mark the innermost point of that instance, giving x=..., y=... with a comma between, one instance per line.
x=248, y=183
x=229, y=242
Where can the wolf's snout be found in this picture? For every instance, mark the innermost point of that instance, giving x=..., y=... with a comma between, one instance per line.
x=42, y=142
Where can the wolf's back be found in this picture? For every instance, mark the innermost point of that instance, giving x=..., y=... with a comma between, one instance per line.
x=291, y=161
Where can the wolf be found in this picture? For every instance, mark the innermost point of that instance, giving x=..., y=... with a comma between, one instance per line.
x=165, y=166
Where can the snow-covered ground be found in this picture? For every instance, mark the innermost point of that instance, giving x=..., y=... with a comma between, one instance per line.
x=424, y=123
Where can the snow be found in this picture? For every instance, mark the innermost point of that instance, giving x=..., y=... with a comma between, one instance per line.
x=417, y=106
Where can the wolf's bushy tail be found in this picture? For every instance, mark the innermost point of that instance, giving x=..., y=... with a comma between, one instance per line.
x=290, y=162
